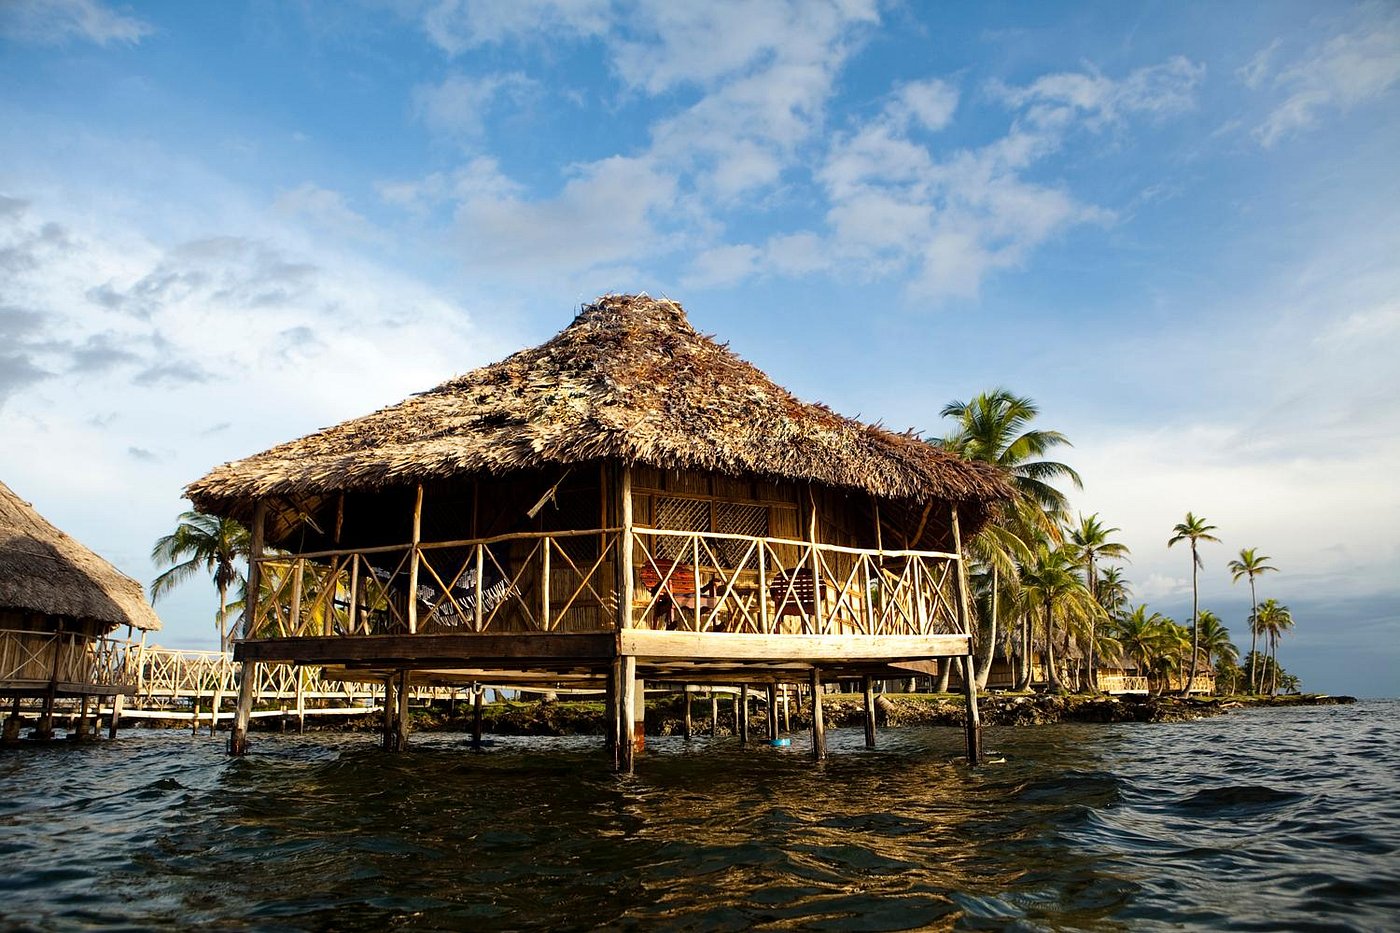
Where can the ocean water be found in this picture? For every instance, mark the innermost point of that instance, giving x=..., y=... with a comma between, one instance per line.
x=1260, y=820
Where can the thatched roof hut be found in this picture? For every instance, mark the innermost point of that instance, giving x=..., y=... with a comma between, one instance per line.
x=45, y=572
x=629, y=380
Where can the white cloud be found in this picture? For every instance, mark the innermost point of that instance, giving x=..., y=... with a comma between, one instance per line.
x=606, y=214
x=52, y=22
x=457, y=25
x=1344, y=72
x=1057, y=100
x=459, y=105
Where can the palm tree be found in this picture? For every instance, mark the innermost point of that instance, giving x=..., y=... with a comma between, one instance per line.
x=1091, y=539
x=1272, y=620
x=1113, y=591
x=994, y=427
x=1140, y=637
x=202, y=542
x=1195, y=530
x=1251, y=564
x=1215, y=640
x=1052, y=586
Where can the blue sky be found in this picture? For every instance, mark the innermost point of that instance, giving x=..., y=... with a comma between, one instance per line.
x=1176, y=226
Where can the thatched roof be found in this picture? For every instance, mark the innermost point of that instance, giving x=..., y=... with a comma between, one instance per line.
x=45, y=571
x=628, y=380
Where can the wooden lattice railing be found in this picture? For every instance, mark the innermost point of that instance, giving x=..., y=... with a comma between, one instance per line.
x=566, y=581
x=28, y=658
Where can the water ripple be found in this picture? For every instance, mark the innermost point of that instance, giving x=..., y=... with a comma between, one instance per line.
x=1260, y=820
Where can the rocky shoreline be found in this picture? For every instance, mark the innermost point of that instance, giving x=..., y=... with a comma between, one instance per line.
x=546, y=718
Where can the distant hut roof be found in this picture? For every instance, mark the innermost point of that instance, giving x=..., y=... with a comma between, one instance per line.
x=630, y=379
x=45, y=571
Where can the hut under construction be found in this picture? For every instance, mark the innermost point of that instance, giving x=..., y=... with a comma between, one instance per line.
x=59, y=606
x=628, y=502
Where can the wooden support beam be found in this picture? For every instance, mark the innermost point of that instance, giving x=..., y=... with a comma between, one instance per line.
x=413, y=556
x=772, y=712
x=685, y=713
x=974, y=720
x=826, y=649
x=818, y=723
x=741, y=713
x=626, y=704
x=869, y=688
x=437, y=650
x=116, y=716
x=386, y=731
x=714, y=715
x=248, y=670
x=478, y=697
x=401, y=725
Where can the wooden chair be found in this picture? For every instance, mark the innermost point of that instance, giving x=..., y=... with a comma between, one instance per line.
x=795, y=593
x=678, y=589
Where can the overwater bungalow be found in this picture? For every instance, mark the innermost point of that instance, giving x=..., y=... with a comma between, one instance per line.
x=59, y=606
x=627, y=503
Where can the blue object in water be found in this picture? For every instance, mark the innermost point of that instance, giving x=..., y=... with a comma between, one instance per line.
x=780, y=743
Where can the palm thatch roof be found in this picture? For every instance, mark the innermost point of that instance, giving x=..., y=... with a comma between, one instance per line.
x=631, y=380
x=44, y=571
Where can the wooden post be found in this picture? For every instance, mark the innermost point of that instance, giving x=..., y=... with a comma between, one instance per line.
x=626, y=709
x=301, y=702
x=480, y=609
x=116, y=715
x=742, y=710
x=787, y=709
x=194, y=716
x=248, y=671
x=735, y=705
x=352, y=611
x=80, y=732
x=818, y=610
x=478, y=697
x=772, y=712
x=974, y=720
x=298, y=572
x=869, y=688
x=214, y=705
x=610, y=702
x=401, y=727
x=413, y=561
x=625, y=671
x=685, y=713
x=387, y=726
x=714, y=714
x=544, y=584
x=818, y=725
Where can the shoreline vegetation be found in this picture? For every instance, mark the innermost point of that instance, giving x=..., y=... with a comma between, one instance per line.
x=664, y=715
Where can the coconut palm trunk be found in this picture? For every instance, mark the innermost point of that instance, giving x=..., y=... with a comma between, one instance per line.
x=989, y=652
x=1253, y=639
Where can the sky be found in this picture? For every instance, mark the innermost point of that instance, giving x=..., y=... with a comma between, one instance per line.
x=1175, y=226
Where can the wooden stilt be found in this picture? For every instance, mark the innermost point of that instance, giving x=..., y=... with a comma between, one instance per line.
x=214, y=706
x=869, y=688
x=80, y=730
x=194, y=717
x=772, y=712
x=714, y=715
x=818, y=724
x=401, y=724
x=974, y=720
x=301, y=703
x=787, y=709
x=736, y=713
x=639, y=716
x=248, y=670
x=685, y=713
x=387, y=727
x=743, y=711
x=627, y=723
x=116, y=716
x=613, y=715
x=478, y=698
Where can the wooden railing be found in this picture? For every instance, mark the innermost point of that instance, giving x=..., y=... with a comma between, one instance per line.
x=566, y=582
x=1122, y=683
x=29, y=658
x=164, y=674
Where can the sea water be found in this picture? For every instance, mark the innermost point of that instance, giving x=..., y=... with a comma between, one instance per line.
x=1263, y=819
